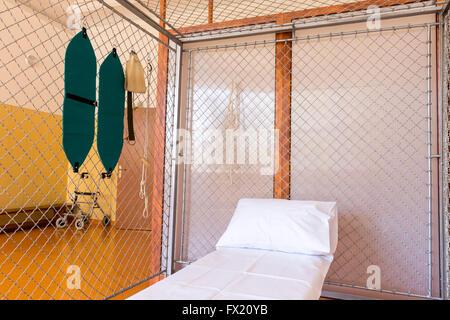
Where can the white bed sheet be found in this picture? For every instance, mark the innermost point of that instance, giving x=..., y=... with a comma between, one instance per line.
x=230, y=273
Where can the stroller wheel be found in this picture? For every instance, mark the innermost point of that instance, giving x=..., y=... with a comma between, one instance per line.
x=79, y=224
x=61, y=222
x=106, y=221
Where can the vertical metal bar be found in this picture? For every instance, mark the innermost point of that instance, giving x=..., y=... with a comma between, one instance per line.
x=444, y=218
x=441, y=123
x=442, y=139
x=174, y=189
x=429, y=160
x=188, y=108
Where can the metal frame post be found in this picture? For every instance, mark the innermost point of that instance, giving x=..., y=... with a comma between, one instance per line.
x=429, y=164
x=183, y=206
x=444, y=159
x=174, y=182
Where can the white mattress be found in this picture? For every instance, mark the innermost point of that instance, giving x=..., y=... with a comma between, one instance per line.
x=244, y=274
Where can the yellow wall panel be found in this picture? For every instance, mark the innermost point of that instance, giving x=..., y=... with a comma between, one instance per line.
x=32, y=163
x=34, y=170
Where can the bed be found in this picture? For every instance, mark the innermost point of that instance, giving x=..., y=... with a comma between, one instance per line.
x=272, y=249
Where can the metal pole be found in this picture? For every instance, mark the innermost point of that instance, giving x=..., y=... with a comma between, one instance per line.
x=174, y=189
x=429, y=161
x=115, y=294
x=441, y=139
x=183, y=205
x=444, y=217
x=310, y=23
x=160, y=18
x=134, y=23
x=318, y=36
x=136, y=11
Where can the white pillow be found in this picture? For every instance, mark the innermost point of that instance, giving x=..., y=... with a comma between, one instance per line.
x=306, y=227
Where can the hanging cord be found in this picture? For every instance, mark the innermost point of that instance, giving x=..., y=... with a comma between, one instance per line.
x=143, y=193
x=232, y=119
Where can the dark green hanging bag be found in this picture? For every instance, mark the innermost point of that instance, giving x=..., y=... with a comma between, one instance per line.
x=80, y=75
x=111, y=103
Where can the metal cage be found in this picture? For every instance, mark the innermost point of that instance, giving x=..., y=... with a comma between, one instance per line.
x=357, y=116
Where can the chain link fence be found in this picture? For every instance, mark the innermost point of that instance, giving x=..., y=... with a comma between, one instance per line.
x=352, y=114
x=38, y=260
x=360, y=138
x=245, y=78
x=339, y=116
x=446, y=153
x=186, y=13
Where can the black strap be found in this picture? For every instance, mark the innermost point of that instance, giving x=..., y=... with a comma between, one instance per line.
x=81, y=99
x=130, y=116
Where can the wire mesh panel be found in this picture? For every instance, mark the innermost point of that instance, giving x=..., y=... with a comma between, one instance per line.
x=185, y=13
x=236, y=97
x=360, y=135
x=40, y=259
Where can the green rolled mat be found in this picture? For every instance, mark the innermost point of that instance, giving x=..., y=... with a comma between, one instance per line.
x=111, y=103
x=80, y=75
